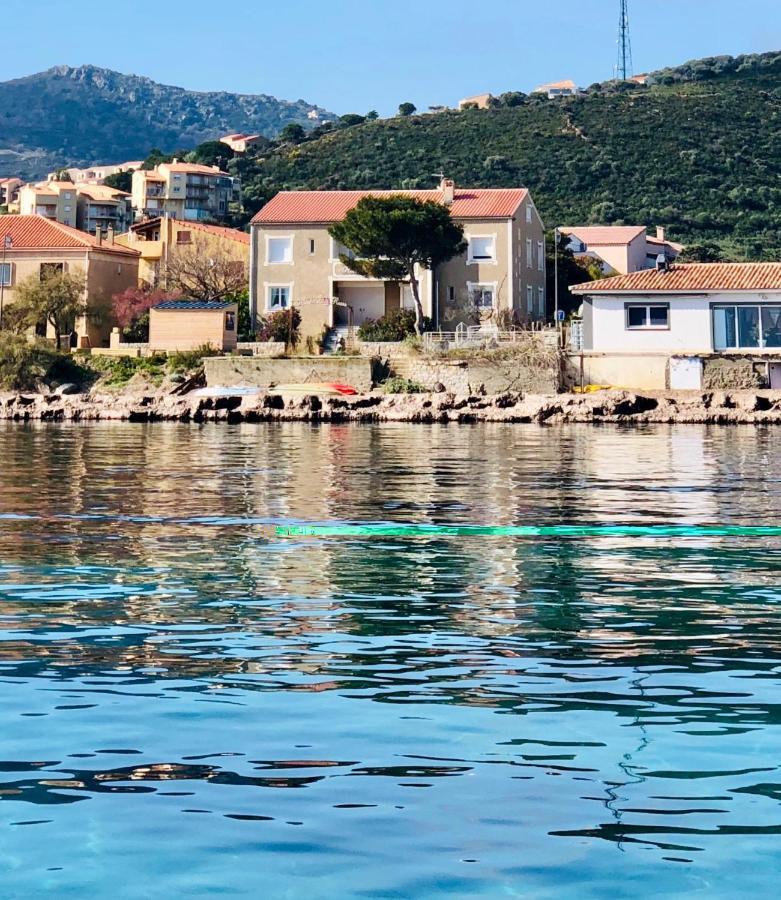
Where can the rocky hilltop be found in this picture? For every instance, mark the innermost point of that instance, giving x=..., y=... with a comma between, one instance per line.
x=85, y=114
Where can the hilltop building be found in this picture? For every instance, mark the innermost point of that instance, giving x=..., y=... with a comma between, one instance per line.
x=98, y=173
x=185, y=191
x=89, y=207
x=156, y=239
x=240, y=142
x=620, y=249
x=39, y=246
x=295, y=262
x=556, y=89
x=479, y=101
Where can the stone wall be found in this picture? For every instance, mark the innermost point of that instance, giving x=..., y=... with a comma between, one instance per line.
x=253, y=371
x=262, y=348
x=725, y=373
x=478, y=375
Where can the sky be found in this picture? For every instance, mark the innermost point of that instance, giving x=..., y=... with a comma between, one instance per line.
x=357, y=55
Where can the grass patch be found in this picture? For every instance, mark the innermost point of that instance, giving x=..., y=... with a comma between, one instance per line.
x=398, y=385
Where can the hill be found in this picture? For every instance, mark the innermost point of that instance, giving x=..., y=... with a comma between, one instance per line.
x=83, y=115
x=698, y=151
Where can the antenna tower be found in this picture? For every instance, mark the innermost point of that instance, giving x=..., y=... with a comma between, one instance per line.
x=624, y=67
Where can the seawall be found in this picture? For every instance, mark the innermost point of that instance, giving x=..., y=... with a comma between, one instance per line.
x=605, y=407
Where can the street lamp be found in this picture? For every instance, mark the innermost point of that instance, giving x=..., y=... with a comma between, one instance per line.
x=8, y=243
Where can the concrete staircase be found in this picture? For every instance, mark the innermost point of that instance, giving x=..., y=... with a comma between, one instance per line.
x=337, y=337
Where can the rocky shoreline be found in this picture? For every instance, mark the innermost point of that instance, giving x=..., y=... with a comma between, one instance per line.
x=604, y=407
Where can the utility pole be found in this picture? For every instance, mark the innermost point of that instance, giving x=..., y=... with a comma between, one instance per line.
x=8, y=243
x=624, y=67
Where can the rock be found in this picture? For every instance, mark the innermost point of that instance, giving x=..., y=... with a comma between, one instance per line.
x=177, y=378
x=439, y=388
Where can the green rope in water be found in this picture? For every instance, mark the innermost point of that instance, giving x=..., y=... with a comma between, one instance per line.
x=578, y=531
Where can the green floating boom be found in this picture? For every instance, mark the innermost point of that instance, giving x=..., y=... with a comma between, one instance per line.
x=563, y=531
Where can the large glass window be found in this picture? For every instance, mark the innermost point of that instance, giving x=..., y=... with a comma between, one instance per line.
x=746, y=326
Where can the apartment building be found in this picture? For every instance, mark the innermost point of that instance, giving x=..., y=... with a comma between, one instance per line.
x=35, y=245
x=9, y=191
x=185, y=191
x=157, y=239
x=555, y=89
x=98, y=173
x=92, y=208
x=294, y=261
x=241, y=142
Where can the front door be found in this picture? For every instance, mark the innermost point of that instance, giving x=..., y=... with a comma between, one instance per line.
x=774, y=375
x=366, y=300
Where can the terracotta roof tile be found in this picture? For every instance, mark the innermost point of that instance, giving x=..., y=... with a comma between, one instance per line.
x=691, y=278
x=231, y=234
x=605, y=235
x=39, y=233
x=327, y=207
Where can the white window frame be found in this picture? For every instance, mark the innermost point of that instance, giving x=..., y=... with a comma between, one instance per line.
x=540, y=256
x=648, y=326
x=762, y=345
x=529, y=253
x=290, y=238
x=485, y=260
x=484, y=285
x=450, y=298
x=530, y=299
x=335, y=255
x=312, y=246
x=528, y=213
x=9, y=280
x=268, y=287
x=541, y=301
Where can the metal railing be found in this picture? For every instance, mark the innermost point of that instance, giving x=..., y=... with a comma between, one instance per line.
x=482, y=337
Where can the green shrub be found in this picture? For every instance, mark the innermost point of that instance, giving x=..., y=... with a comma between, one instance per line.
x=276, y=326
x=398, y=385
x=25, y=365
x=118, y=370
x=395, y=326
x=189, y=360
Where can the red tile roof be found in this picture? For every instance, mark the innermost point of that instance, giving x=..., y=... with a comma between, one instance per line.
x=605, y=235
x=691, y=278
x=40, y=233
x=327, y=207
x=231, y=234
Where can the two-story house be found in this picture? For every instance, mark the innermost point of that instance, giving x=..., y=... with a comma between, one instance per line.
x=620, y=249
x=34, y=246
x=295, y=261
x=185, y=191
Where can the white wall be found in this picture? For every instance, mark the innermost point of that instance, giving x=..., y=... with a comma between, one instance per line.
x=689, y=332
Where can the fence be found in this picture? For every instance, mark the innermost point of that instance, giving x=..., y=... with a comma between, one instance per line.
x=482, y=337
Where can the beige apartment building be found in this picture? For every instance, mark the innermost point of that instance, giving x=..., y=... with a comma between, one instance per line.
x=157, y=239
x=9, y=192
x=185, y=191
x=294, y=261
x=92, y=208
x=36, y=246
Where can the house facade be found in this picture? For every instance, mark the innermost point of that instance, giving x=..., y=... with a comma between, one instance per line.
x=294, y=261
x=620, y=249
x=668, y=326
x=156, y=239
x=186, y=191
x=556, y=89
x=9, y=192
x=38, y=246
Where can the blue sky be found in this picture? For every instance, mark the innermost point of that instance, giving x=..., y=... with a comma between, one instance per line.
x=355, y=55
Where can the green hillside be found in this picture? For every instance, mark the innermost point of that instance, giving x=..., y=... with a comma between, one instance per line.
x=698, y=151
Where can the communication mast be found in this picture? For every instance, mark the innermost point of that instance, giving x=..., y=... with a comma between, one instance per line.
x=624, y=66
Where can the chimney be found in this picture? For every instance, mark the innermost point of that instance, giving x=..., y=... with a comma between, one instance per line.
x=448, y=188
x=661, y=263
x=99, y=235
x=174, y=161
x=660, y=233
x=110, y=234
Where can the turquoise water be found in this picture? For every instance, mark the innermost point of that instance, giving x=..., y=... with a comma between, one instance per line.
x=192, y=705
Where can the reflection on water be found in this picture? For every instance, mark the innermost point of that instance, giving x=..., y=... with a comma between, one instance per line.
x=192, y=706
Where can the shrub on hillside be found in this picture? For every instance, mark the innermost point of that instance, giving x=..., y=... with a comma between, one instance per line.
x=395, y=326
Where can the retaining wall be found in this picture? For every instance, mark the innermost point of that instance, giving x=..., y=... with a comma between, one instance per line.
x=253, y=371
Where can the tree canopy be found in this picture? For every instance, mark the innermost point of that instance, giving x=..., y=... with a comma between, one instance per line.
x=57, y=299
x=391, y=237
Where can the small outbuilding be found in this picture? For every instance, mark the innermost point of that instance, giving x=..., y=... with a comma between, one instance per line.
x=189, y=324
